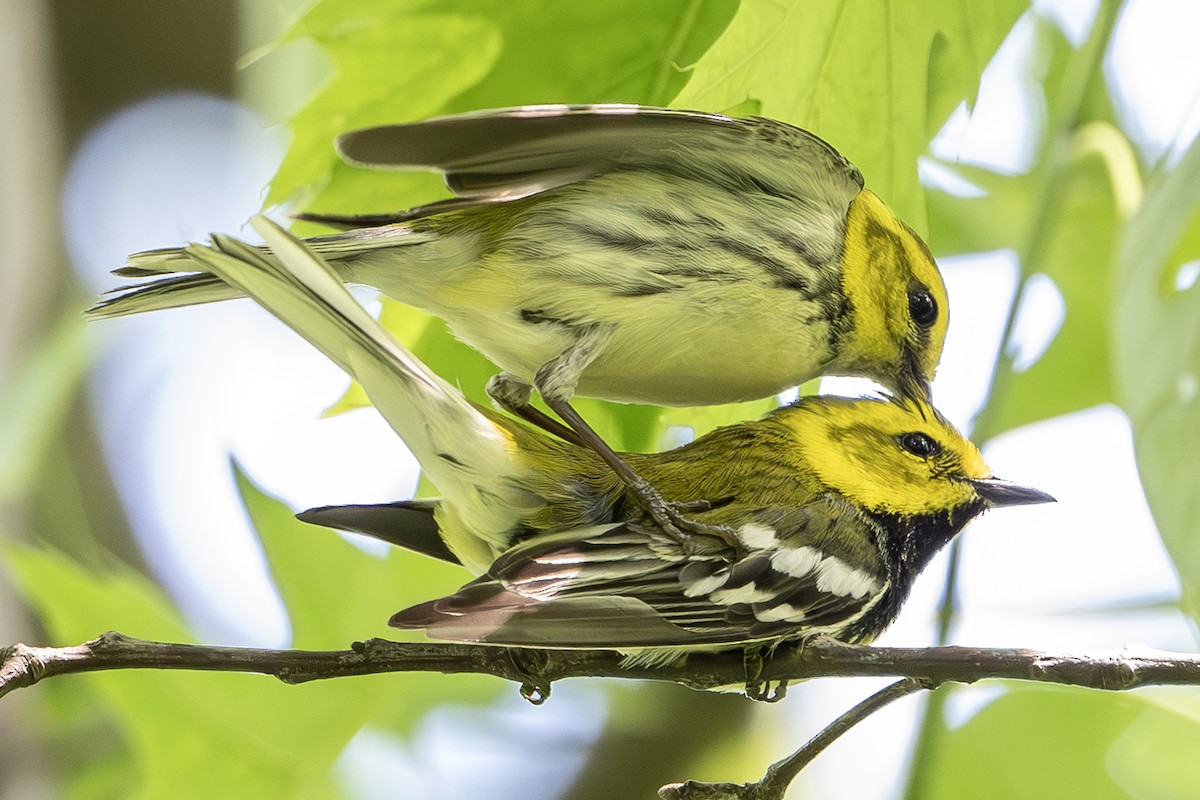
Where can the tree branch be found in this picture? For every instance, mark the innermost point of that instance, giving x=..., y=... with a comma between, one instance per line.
x=535, y=669
x=24, y=665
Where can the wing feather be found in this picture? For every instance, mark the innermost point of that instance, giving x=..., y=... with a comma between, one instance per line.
x=629, y=586
x=509, y=153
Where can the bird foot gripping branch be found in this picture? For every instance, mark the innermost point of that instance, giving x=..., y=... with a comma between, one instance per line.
x=756, y=688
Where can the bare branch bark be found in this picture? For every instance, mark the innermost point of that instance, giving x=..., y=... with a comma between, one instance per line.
x=535, y=669
x=24, y=665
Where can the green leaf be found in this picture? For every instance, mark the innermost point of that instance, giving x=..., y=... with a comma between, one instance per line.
x=708, y=418
x=1034, y=742
x=1006, y=215
x=618, y=51
x=194, y=734
x=848, y=71
x=190, y=734
x=389, y=65
x=336, y=593
x=395, y=60
x=1154, y=758
x=1156, y=341
x=36, y=400
x=1075, y=252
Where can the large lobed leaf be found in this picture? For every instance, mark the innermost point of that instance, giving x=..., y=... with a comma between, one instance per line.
x=396, y=60
x=873, y=77
x=1156, y=342
x=212, y=734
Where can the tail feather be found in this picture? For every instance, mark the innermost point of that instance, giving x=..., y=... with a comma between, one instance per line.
x=177, y=278
x=162, y=261
x=173, y=291
x=407, y=523
x=466, y=454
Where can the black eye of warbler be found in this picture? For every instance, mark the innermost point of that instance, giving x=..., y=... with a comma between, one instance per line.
x=922, y=307
x=919, y=445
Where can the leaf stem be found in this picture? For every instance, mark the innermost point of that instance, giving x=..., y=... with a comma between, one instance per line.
x=669, y=63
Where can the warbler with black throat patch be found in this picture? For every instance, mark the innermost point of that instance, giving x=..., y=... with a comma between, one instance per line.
x=823, y=512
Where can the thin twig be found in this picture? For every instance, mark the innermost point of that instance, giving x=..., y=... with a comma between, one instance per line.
x=779, y=776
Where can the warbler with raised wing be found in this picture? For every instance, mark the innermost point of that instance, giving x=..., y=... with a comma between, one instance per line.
x=824, y=512
x=629, y=253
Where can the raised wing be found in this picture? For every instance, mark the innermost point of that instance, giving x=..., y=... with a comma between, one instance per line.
x=508, y=153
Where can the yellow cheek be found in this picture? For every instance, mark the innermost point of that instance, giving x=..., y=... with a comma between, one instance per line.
x=925, y=270
x=884, y=482
x=876, y=269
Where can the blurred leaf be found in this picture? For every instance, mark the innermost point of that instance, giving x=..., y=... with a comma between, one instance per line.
x=1011, y=206
x=336, y=593
x=65, y=598
x=1075, y=252
x=660, y=733
x=191, y=734
x=1063, y=219
x=216, y=734
x=1036, y=743
x=848, y=71
x=1156, y=341
x=1154, y=758
x=36, y=400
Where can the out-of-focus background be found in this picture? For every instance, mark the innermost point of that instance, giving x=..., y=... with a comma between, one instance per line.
x=1058, y=184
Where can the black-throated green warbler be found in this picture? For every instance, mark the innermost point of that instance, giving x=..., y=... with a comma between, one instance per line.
x=829, y=508
x=633, y=254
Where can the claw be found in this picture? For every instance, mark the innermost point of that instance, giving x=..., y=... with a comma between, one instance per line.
x=669, y=517
x=758, y=690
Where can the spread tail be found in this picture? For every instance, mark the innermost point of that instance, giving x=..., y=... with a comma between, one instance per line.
x=173, y=277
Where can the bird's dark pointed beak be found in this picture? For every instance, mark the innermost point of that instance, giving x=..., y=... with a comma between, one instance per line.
x=1003, y=493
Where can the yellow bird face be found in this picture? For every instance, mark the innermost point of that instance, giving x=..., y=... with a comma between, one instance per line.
x=898, y=458
x=899, y=301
